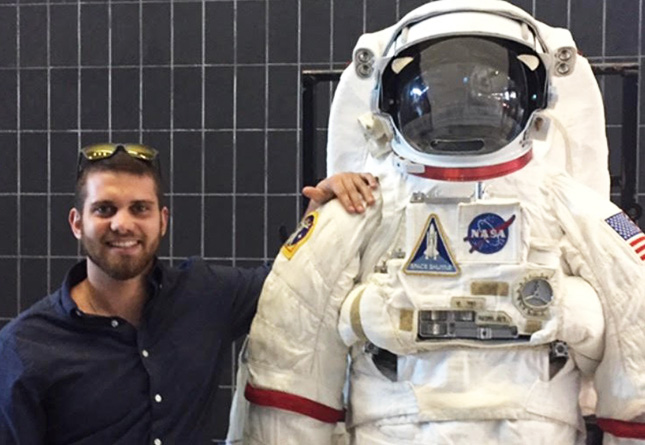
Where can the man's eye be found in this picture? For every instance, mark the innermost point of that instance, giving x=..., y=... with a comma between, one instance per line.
x=104, y=210
x=140, y=208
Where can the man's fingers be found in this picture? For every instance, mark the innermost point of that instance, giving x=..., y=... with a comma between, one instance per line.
x=365, y=183
x=351, y=185
x=371, y=180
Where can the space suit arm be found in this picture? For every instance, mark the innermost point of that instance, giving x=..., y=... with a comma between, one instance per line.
x=604, y=249
x=296, y=359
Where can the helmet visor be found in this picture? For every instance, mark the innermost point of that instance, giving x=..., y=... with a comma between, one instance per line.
x=463, y=95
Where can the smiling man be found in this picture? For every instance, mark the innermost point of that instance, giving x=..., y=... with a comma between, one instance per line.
x=128, y=350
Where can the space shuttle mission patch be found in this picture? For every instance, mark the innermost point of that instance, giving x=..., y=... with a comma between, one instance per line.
x=301, y=235
x=432, y=255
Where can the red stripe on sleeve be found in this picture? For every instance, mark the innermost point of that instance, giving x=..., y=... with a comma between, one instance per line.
x=621, y=428
x=296, y=404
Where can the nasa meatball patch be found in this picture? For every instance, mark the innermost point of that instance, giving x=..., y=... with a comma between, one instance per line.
x=300, y=236
x=490, y=232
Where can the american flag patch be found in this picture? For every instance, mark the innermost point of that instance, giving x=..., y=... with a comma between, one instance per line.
x=629, y=232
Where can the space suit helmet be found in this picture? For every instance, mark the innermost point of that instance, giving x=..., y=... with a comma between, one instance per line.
x=461, y=90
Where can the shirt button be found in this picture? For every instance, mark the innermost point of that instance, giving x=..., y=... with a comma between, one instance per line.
x=157, y=441
x=115, y=323
x=158, y=398
x=145, y=353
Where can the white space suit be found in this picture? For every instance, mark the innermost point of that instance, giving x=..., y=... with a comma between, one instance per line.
x=466, y=304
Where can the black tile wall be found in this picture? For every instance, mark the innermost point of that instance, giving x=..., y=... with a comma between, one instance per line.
x=94, y=34
x=9, y=164
x=125, y=98
x=187, y=20
x=218, y=232
x=33, y=281
x=283, y=31
x=156, y=98
x=554, y=12
x=283, y=96
x=213, y=85
x=64, y=98
x=220, y=19
x=250, y=162
x=622, y=27
x=219, y=95
x=282, y=212
x=188, y=163
x=33, y=215
x=315, y=31
x=526, y=5
x=94, y=98
x=218, y=165
x=282, y=159
x=8, y=101
x=587, y=25
x=33, y=162
x=8, y=278
x=8, y=49
x=58, y=270
x=379, y=15
x=33, y=99
x=125, y=34
x=33, y=36
x=187, y=90
x=251, y=30
x=156, y=33
x=249, y=227
x=64, y=155
x=187, y=227
x=251, y=89
x=63, y=35
x=348, y=26
x=63, y=242
x=8, y=222
x=161, y=141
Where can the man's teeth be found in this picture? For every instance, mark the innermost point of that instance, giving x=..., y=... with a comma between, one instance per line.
x=124, y=244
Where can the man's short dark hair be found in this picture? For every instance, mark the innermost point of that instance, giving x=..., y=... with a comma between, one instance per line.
x=120, y=162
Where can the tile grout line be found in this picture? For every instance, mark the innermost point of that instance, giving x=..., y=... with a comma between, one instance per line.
x=203, y=133
x=109, y=111
x=18, y=169
x=265, y=245
x=140, y=36
x=234, y=176
x=171, y=180
x=49, y=151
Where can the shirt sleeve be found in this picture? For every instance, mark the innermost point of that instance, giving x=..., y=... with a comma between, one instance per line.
x=22, y=418
x=244, y=287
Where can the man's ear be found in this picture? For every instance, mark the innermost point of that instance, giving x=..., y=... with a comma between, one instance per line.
x=164, y=220
x=75, y=223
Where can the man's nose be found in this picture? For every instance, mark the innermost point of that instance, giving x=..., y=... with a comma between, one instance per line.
x=122, y=222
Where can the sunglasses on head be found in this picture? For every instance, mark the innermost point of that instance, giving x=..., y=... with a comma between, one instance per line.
x=98, y=152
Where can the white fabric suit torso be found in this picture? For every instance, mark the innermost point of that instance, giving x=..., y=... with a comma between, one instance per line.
x=505, y=390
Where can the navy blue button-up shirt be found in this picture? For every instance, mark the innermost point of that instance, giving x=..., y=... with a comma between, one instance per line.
x=71, y=378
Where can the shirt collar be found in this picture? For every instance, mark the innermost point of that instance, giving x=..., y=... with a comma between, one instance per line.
x=79, y=272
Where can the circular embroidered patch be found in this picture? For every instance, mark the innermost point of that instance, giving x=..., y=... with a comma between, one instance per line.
x=488, y=233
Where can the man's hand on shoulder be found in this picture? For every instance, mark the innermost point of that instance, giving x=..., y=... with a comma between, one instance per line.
x=353, y=190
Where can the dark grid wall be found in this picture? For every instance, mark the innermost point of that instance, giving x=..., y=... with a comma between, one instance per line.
x=214, y=85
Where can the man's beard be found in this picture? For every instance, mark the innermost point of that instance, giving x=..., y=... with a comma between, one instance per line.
x=120, y=267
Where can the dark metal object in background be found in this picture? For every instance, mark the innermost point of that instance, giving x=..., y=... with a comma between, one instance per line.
x=626, y=181
x=628, y=165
